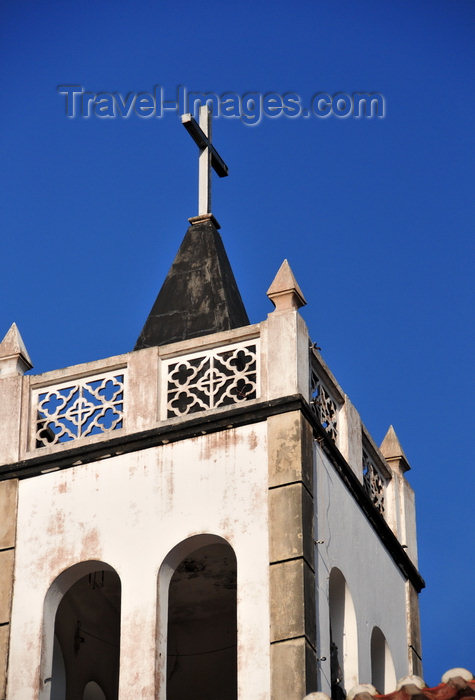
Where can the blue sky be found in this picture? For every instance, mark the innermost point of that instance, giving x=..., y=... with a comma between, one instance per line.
x=374, y=215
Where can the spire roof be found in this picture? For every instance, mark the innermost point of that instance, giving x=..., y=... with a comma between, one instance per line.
x=199, y=295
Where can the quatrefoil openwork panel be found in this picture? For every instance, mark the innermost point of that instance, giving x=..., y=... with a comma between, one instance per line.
x=78, y=409
x=323, y=405
x=374, y=482
x=212, y=379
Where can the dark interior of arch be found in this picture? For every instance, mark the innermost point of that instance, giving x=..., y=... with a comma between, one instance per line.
x=202, y=626
x=378, y=659
x=337, y=621
x=87, y=639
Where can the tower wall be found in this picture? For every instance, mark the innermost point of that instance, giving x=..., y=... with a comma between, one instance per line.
x=130, y=511
x=242, y=435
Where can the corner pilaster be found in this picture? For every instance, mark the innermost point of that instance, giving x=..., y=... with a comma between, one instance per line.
x=8, y=517
x=292, y=566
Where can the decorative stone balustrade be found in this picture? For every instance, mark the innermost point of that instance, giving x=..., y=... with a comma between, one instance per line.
x=374, y=481
x=323, y=400
x=78, y=408
x=69, y=405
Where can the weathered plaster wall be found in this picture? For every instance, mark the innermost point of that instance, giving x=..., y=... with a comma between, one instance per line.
x=130, y=511
x=376, y=584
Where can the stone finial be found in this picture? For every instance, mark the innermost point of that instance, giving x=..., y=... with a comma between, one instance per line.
x=362, y=689
x=417, y=681
x=392, y=451
x=284, y=291
x=457, y=673
x=14, y=357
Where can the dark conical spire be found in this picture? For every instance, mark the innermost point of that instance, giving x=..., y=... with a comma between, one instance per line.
x=199, y=295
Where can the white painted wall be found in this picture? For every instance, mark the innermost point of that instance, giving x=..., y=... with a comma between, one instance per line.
x=130, y=511
x=377, y=586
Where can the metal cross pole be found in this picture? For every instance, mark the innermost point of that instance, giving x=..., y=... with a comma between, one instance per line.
x=209, y=156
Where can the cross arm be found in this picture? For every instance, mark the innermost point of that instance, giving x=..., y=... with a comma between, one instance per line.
x=202, y=141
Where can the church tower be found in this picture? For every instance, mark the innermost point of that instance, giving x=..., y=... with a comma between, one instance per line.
x=205, y=516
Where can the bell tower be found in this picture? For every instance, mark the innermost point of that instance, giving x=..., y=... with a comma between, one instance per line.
x=205, y=512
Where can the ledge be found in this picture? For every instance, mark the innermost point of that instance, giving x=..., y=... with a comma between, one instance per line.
x=173, y=430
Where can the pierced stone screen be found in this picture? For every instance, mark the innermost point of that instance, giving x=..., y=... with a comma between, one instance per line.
x=322, y=404
x=79, y=408
x=373, y=482
x=211, y=379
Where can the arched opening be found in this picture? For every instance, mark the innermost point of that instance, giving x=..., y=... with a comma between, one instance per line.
x=82, y=610
x=343, y=636
x=383, y=673
x=201, y=640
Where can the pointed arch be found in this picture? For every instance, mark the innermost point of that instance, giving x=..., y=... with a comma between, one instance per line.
x=197, y=620
x=383, y=673
x=343, y=635
x=82, y=611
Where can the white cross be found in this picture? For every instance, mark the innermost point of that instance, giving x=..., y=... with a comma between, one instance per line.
x=209, y=156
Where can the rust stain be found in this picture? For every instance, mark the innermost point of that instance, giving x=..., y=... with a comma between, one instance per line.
x=62, y=487
x=232, y=438
x=215, y=442
x=170, y=484
x=59, y=559
x=56, y=523
x=226, y=526
x=37, y=676
x=208, y=446
x=90, y=544
x=252, y=440
x=135, y=636
x=257, y=499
